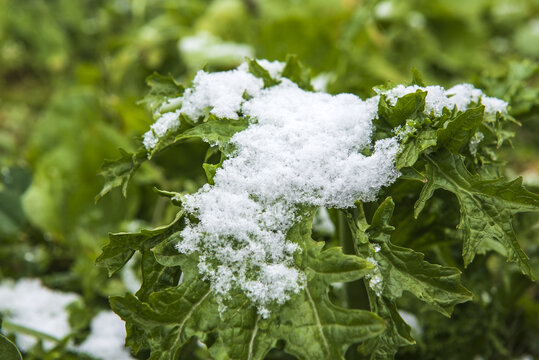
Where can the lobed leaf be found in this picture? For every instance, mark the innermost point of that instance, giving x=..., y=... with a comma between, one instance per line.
x=401, y=269
x=487, y=205
x=260, y=72
x=458, y=131
x=161, y=87
x=122, y=246
x=311, y=326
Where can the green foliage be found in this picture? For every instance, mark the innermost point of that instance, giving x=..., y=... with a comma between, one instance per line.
x=71, y=74
x=8, y=350
x=164, y=317
x=487, y=206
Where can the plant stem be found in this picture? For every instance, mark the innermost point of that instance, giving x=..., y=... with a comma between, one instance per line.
x=11, y=327
x=355, y=295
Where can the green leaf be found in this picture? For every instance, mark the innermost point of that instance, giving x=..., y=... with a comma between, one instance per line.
x=8, y=350
x=400, y=269
x=215, y=131
x=311, y=326
x=410, y=106
x=417, y=79
x=155, y=276
x=457, y=132
x=295, y=71
x=403, y=269
x=413, y=147
x=487, y=205
x=171, y=317
x=396, y=335
x=210, y=170
x=122, y=246
x=260, y=72
x=120, y=171
x=161, y=88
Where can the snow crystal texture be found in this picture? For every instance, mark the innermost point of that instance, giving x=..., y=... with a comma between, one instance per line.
x=301, y=149
x=459, y=96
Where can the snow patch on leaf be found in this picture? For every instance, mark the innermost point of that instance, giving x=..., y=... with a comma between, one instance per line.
x=166, y=122
x=301, y=149
x=459, y=96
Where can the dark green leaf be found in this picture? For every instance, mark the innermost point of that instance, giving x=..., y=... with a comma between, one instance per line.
x=215, y=131
x=457, y=132
x=487, y=205
x=410, y=106
x=8, y=350
x=155, y=276
x=400, y=269
x=122, y=246
x=413, y=147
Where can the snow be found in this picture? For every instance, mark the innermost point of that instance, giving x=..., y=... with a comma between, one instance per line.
x=459, y=96
x=28, y=303
x=301, y=150
x=106, y=340
x=165, y=123
x=222, y=91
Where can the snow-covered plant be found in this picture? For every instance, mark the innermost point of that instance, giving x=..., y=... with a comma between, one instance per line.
x=238, y=268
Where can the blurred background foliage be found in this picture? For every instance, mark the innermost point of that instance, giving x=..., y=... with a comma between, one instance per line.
x=71, y=73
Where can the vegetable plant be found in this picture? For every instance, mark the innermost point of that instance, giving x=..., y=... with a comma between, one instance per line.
x=249, y=267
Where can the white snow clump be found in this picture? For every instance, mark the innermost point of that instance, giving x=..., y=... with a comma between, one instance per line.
x=28, y=303
x=459, y=96
x=222, y=92
x=167, y=121
x=301, y=149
